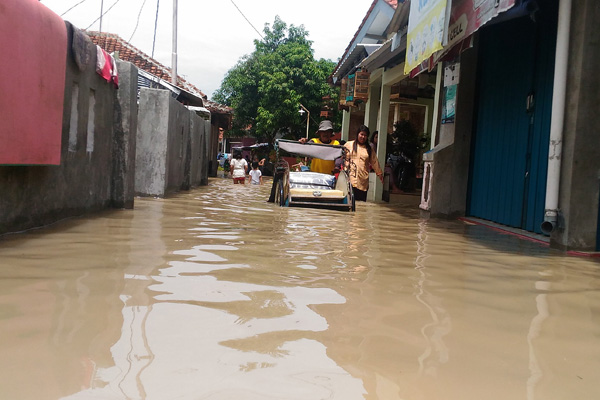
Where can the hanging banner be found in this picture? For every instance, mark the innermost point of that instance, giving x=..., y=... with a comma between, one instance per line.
x=466, y=16
x=425, y=35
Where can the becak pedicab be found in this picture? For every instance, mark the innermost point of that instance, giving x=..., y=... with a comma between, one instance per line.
x=311, y=189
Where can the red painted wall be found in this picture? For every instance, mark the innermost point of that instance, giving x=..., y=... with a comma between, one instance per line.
x=33, y=40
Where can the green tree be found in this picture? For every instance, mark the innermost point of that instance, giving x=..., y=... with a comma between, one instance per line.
x=266, y=88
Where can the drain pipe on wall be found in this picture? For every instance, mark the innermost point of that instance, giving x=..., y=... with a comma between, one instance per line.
x=558, y=118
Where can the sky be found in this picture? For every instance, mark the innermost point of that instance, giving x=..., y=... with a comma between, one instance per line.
x=212, y=34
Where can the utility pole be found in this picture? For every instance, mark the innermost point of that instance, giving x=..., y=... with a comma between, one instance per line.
x=302, y=110
x=174, y=54
x=101, y=12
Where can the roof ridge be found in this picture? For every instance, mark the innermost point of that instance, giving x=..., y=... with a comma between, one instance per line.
x=126, y=44
x=164, y=70
x=144, y=63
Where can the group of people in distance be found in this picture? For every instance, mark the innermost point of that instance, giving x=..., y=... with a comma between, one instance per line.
x=362, y=158
x=238, y=169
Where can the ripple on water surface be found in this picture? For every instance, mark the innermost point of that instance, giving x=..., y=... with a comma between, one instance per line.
x=216, y=294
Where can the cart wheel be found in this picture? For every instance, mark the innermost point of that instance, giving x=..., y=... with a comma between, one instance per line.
x=351, y=201
x=279, y=198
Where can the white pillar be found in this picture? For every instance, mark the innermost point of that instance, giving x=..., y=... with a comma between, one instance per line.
x=384, y=114
x=346, y=124
x=372, y=107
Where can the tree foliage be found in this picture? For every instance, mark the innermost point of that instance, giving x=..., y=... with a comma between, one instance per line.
x=266, y=88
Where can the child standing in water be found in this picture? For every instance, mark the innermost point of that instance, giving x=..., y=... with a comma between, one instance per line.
x=255, y=174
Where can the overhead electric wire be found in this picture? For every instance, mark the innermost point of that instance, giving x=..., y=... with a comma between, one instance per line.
x=72, y=7
x=103, y=14
x=138, y=21
x=261, y=36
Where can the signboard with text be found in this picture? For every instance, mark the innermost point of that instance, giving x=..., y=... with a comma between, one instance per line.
x=425, y=35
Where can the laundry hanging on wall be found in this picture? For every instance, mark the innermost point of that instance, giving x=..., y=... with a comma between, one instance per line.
x=106, y=66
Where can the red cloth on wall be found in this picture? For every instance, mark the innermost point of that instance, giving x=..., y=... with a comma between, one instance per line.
x=106, y=66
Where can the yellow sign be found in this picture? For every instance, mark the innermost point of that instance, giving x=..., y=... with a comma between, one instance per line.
x=425, y=35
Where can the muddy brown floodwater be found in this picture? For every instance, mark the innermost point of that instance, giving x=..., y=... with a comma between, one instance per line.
x=216, y=294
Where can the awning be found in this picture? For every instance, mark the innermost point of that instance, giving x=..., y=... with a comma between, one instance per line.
x=467, y=16
x=384, y=54
x=357, y=54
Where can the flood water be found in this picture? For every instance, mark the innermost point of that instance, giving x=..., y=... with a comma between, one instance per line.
x=216, y=294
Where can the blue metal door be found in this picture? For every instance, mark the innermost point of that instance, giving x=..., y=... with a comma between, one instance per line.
x=508, y=171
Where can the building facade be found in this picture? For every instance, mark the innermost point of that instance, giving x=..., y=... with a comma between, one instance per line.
x=512, y=123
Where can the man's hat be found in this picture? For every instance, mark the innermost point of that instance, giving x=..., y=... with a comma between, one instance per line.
x=325, y=126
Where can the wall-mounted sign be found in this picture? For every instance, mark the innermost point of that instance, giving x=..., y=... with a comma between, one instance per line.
x=449, y=105
x=451, y=73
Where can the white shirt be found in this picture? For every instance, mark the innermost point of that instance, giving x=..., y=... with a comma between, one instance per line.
x=238, y=168
x=255, y=174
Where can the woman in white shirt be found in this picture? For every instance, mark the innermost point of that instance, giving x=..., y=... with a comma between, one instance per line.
x=238, y=168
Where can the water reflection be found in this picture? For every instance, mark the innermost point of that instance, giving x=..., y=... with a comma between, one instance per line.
x=534, y=332
x=436, y=352
x=217, y=294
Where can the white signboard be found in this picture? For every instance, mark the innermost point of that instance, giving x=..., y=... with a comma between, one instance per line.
x=451, y=73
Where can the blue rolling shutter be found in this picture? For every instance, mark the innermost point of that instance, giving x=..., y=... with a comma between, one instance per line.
x=508, y=171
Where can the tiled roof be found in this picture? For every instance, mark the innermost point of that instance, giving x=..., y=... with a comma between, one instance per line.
x=392, y=3
x=113, y=43
x=216, y=107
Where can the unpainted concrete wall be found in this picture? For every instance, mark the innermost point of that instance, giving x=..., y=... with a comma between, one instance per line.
x=178, y=147
x=151, y=140
x=209, y=163
x=172, y=146
x=200, y=141
x=126, y=110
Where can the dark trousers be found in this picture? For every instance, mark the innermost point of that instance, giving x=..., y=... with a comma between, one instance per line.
x=359, y=195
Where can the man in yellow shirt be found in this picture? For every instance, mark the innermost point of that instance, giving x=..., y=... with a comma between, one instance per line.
x=325, y=132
